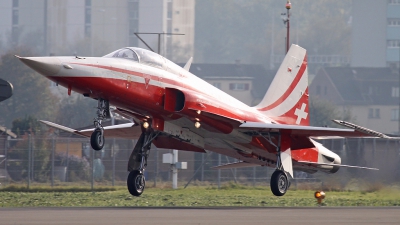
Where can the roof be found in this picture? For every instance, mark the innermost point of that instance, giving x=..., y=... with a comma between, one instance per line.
x=364, y=85
x=5, y=131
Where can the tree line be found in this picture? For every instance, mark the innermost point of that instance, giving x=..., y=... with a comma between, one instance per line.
x=33, y=97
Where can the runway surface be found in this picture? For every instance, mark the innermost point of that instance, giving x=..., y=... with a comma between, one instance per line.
x=199, y=216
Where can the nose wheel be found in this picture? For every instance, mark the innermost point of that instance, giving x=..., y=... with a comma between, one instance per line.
x=97, y=139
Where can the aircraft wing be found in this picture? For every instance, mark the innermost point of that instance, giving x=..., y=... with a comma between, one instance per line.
x=340, y=165
x=363, y=130
x=235, y=165
x=310, y=131
x=126, y=130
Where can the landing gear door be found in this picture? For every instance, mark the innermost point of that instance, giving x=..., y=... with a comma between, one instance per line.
x=286, y=159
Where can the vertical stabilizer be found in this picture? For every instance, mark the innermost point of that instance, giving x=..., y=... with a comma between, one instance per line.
x=286, y=100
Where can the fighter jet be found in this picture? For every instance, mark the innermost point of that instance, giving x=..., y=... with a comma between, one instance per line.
x=174, y=109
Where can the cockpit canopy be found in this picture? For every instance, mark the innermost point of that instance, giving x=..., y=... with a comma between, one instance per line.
x=125, y=53
x=142, y=56
x=147, y=57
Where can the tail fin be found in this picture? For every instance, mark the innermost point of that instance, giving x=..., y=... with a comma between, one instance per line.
x=286, y=100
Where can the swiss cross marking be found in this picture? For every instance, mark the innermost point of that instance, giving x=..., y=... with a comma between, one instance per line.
x=300, y=113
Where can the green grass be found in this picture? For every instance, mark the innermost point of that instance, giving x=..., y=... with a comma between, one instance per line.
x=228, y=195
x=15, y=188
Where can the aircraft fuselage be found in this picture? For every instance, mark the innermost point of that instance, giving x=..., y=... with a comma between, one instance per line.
x=155, y=92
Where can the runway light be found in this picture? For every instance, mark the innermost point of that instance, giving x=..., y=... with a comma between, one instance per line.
x=146, y=125
x=319, y=195
x=197, y=125
x=198, y=112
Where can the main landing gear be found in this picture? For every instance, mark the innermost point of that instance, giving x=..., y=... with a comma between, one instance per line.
x=280, y=179
x=138, y=162
x=97, y=137
x=279, y=183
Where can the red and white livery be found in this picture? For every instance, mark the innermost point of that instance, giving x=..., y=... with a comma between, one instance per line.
x=172, y=108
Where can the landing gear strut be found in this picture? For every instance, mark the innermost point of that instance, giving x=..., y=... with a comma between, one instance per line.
x=97, y=137
x=280, y=180
x=138, y=162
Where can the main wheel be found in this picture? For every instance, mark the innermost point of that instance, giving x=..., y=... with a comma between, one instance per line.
x=97, y=140
x=279, y=183
x=136, y=183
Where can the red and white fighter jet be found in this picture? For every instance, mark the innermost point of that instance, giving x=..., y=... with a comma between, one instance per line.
x=172, y=108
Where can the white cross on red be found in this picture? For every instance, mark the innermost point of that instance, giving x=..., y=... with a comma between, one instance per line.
x=301, y=113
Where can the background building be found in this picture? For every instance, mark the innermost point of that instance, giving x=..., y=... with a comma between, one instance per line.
x=88, y=27
x=370, y=94
x=375, y=33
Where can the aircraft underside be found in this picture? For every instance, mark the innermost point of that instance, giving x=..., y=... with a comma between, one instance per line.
x=180, y=134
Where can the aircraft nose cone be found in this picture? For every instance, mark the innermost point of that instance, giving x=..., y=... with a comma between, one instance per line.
x=46, y=66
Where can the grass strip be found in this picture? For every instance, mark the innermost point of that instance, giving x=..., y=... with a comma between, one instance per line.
x=196, y=197
x=16, y=188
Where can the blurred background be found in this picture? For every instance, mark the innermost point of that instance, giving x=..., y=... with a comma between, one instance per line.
x=353, y=56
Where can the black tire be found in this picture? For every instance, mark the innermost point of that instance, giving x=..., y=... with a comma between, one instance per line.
x=136, y=183
x=97, y=140
x=279, y=183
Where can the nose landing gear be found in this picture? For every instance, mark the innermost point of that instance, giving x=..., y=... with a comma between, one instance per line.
x=97, y=137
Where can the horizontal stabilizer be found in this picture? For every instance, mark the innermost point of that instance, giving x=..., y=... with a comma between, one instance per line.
x=363, y=129
x=234, y=165
x=126, y=130
x=340, y=165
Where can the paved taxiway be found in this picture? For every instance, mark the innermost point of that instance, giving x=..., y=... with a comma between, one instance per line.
x=197, y=216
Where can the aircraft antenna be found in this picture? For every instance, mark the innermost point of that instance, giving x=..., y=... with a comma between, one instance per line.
x=159, y=39
x=286, y=21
